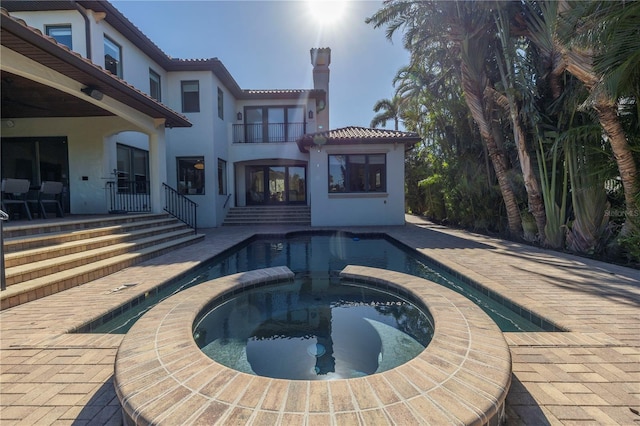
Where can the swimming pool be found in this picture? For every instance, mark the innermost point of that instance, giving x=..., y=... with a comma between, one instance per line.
x=327, y=253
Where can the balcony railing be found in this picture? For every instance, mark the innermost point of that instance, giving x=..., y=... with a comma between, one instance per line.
x=268, y=132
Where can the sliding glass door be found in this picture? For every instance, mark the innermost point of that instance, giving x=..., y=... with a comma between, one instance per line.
x=37, y=159
x=276, y=185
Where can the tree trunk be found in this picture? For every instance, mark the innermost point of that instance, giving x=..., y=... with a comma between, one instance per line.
x=580, y=64
x=607, y=114
x=531, y=185
x=475, y=102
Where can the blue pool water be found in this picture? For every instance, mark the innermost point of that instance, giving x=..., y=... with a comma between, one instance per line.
x=324, y=253
x=313, y=328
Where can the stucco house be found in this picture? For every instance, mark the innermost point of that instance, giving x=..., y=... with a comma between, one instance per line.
x=90, y=101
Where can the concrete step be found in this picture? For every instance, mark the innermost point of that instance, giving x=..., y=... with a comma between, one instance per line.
x=267, y=215
x=44, y=246
x=50, y=226
x=40, y=287
x=53, y=255
x=37, y=269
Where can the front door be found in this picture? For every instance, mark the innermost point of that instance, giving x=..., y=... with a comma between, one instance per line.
x=276, y=185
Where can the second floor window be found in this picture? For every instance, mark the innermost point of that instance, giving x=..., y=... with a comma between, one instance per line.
x=112, y=57
x=274, y=124
x=220, y=104
x=154, y=85
x=61, y=34
x=190, y=96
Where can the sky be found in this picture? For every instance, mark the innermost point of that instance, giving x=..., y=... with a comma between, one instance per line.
x=265, y=45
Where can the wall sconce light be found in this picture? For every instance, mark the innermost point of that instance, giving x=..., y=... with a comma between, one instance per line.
x=239, y=116
x=318, y=141
x=199, y=165
x=93, y=92
x=310, y=114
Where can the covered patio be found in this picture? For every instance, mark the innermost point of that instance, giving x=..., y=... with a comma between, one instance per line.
x=61, y=115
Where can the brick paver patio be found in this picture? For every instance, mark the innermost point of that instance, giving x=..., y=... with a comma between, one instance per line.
x=588, y=375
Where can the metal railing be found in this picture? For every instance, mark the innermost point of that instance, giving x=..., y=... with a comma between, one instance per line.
x=3, y=282
x=226, y=201
x=125, y=196
x=180, y=207
x=268, y=132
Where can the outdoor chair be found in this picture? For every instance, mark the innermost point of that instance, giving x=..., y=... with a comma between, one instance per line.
x=14, y=192
x=50, y=193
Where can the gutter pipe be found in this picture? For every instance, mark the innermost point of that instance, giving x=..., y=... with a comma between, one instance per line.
x=87, y=28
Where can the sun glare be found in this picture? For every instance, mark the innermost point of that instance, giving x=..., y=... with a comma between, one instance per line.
x=327, y=12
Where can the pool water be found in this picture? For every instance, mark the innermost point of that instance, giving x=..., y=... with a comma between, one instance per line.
x=312, y=253
x=314, y=328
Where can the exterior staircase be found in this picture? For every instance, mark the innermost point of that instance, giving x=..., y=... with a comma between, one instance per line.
x=269, y=215
x=52, y=256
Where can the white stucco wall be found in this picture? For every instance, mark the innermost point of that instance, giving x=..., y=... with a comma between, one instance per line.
x=363, y=209
x=207, y=137
x=40, y=20
x=135, y=64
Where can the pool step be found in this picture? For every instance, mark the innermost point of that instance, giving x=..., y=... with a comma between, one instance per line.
x=269, y=215
x=72, y=253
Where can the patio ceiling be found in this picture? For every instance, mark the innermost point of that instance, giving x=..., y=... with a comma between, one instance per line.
x=26, y=98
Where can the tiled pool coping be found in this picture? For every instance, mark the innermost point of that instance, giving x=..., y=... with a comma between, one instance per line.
x=462, y=377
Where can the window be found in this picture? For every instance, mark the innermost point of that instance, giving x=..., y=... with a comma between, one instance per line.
x=190, y=96
x=222, y=177
x=274, y=124
x=220, y=104
x=191, y=175
x=357, y=173
x=154, y=85
x=61, y=34
x=112, y=57
x=133, y=170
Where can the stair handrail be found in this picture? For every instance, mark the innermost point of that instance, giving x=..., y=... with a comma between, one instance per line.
x=180, y=207
x=3, y=284
x=226, y=201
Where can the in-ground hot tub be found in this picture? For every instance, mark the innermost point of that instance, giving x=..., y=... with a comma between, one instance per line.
x=315, y=327
x=462, y=376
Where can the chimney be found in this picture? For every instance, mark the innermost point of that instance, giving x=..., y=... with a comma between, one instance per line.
x=320, y=59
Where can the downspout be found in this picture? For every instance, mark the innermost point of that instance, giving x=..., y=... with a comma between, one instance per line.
x=87, y=29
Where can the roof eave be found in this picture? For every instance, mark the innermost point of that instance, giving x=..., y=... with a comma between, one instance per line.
x=73, y=59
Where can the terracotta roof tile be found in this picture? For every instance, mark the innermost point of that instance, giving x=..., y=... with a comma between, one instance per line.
x=357, y=135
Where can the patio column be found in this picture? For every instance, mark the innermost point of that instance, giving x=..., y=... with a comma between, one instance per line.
x=157, y=168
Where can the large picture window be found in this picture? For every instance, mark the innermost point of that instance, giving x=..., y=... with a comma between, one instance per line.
x=191, y=175
x=112, y=57
x=190, y=96
x=357, y=173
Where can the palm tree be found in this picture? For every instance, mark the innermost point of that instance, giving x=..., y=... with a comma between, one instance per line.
x=596, y=42
x=462, y=30
x=391, y=110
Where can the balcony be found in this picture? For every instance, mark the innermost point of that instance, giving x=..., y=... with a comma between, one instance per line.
x=268, y=132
